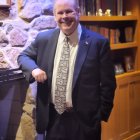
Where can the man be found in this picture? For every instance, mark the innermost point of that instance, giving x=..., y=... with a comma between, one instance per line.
x=89, y=81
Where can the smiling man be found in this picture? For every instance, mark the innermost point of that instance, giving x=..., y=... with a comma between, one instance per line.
x=67, y=15
x=75, y=77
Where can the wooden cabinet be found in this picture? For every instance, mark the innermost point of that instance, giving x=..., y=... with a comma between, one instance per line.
x=135, y=101
x=124, y=122
x=110, y=130
x=118, y=125
x=123, y=108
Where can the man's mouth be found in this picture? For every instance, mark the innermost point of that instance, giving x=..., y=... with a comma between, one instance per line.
x=67, y=21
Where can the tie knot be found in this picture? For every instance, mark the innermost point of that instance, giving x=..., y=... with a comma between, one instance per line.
x=66, y=39
x=66, y=42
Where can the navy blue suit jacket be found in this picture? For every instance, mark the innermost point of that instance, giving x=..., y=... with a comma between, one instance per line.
x=93, y=81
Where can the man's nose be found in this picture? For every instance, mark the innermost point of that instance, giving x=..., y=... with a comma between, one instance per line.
x=65, y=14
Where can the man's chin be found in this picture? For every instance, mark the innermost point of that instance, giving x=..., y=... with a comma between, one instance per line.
x=67, y=30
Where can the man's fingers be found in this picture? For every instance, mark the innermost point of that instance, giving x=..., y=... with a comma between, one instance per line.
x=41, y=78
x=39, y=75
x=45, y=76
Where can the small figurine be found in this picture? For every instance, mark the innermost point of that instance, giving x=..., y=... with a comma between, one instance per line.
x=99, y=12
x=108, y=12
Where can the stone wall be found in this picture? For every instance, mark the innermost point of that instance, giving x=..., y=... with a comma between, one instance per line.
x=19, y=25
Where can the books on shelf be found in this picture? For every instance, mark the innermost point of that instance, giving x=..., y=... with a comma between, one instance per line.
x=91, y=7
x=115, y=35
x=98, y=5
x=87, y=7
x=129, y=63
x=119, y=7
x=128, y=34
x=112, y=34
x=124, y=65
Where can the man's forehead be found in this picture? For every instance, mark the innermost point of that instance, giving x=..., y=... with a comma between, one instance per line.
x=59, y=2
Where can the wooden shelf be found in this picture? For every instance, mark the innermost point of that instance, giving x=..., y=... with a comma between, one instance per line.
x=124, y=45
x=126, y=74
x=124, y=122
x=108, y=18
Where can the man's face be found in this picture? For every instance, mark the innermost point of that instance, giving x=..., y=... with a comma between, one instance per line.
x=66, y=15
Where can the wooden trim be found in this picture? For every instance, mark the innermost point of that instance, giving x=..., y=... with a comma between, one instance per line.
x=126, y=74
x=108, y=18
x=136, y=136
x=124, y=45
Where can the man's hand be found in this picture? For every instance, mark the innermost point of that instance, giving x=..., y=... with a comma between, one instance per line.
x=39, y=75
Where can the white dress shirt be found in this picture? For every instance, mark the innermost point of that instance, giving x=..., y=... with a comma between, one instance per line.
x=73, y=44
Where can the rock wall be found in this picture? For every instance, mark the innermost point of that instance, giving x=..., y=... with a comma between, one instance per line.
x=19, y=25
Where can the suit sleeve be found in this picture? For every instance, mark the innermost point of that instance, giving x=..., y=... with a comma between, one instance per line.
x=108, y=81
x=27, y=60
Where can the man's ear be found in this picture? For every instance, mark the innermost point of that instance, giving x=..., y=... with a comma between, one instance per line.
x=55, y=19
x=54, y=16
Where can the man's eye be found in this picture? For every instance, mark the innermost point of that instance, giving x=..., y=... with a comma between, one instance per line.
x=65, y=12
x=68, y=12
x=60, y=13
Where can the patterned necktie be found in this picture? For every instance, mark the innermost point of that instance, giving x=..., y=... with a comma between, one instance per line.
x=62, y=78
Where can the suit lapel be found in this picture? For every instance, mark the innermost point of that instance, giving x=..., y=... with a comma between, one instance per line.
x=51, y=54
x=81, y=55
